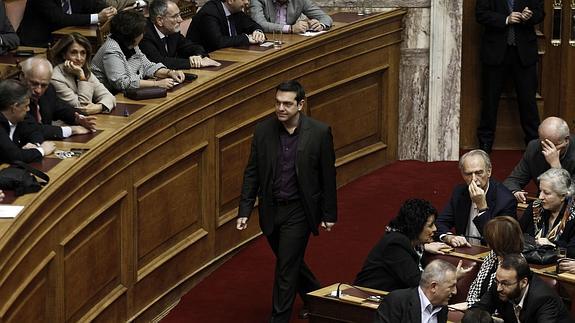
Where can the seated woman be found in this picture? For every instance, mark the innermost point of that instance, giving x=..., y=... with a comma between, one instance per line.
x=504, y=236
x=551, y=218
x=119, y=64
x=72, y=79
x=395, y=261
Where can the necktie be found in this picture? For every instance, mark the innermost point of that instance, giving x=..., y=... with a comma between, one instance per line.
x=233, y=31
x=38, y=116
x=511, y=29
x=66, y=6
x=165, y=41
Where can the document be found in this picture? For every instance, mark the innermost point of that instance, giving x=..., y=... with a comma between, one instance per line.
x=9, y=211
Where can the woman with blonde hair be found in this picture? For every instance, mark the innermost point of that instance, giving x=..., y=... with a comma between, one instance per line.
x=72, y=79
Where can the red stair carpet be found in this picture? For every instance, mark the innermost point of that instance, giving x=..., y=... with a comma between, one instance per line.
x=240, y=290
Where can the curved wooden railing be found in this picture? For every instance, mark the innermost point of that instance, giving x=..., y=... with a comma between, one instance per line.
x=119, y=231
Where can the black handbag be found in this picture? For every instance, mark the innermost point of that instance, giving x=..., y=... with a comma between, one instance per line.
x=144, y=93
x=19, y=177
x=535, y=254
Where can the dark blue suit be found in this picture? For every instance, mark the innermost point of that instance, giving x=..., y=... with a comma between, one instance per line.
x=404, y=306
x=456, y=213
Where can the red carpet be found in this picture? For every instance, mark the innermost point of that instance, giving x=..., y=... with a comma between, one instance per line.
x=240, y=290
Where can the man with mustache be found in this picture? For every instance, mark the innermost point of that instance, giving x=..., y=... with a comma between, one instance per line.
x=474, y=203
x=519, y=296
x=554, y=148
x=426, y=303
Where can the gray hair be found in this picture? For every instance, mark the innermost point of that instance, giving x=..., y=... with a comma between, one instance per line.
x=475, y=152
x=560, y=179
x=29, y=64
x=158, y=8
x=436, y=271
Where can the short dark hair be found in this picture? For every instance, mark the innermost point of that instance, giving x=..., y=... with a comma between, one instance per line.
x=61, y=47
x=12, y=91
x=476, y=315
x=503, y=234
x=126, y=26
x=158, y=8
x=412, y=217
x=292, y=86
x=517, y=262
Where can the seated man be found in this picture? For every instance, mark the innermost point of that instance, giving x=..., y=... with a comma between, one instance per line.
x=163, y=42
x=20, y=139
x=8, y=38
x=473, y=204
x=554, y=148
x=426, y=303
x=519, y=296
x=222, y=23
x=284, y=15
x=45, y=106
x=42, y=17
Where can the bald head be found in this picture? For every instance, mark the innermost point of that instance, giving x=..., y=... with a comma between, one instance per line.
x=37, y=72
x=554, y=129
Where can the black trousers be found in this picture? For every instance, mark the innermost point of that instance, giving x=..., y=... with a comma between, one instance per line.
x=493, y=80
x=288, y=242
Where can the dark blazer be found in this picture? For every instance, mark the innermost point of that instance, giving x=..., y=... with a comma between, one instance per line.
x=26, y=132
x=9, y=37
x=492, y=14
x=456, y=213
x=42, y=17
x=533, y=164
x=404, y=306
x=392, y=264
x=210, y=27
x=177, y=56
x=315, y=169
x=541, y=305
x=52, y=109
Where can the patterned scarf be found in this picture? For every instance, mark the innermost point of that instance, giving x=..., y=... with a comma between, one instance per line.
x=540, y=223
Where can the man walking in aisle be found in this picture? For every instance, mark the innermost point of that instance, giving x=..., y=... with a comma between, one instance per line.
x=291, y=169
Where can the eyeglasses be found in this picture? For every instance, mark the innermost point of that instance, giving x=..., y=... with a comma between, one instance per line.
x=176, y=16
x=34, y=84
x=504, y=283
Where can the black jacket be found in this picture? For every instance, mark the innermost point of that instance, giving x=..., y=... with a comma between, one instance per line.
x=179, y=49
x=404, y=306
x=26, y=132
x=210, y=27
x=52, y=109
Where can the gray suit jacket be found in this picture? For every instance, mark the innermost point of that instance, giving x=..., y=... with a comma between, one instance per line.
x=79, y=93
x=263, y=12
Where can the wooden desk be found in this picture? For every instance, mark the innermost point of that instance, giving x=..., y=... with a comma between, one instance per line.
x=88, y=31
x=353, y=305
x=9, y=61
x=123, y=231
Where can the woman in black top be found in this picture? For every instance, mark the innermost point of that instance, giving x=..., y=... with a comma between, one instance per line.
x=395, y=261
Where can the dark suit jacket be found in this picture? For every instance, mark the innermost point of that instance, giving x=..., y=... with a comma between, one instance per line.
x=404, y=306
x=392, y=264
x=315, y=168
x=499, y=200
x=179, y=49
x=52, y=109
x=210, y=27
x=533, y=164
x=42, y=17
x=541, y=305
x=9, y=38
x=26, y=132
x=492, y=14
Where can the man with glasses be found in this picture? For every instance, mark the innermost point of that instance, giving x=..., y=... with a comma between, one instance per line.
x=291, y=171
x=519, y=296
x=163, y=42
x=474, y=203
x=46, y=107
x=554, y=148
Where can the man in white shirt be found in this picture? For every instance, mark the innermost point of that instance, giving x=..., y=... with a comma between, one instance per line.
x=426, y=303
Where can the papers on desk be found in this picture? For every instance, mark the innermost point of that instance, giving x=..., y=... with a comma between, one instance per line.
x=9, y=211
x=310, y=33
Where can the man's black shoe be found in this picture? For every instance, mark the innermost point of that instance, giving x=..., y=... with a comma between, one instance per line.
x=303, y=313
x=485, y=147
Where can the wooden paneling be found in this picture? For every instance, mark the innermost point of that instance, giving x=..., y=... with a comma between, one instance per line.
x=119, y=232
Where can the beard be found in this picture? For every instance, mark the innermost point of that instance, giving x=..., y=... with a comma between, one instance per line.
x=511, y=295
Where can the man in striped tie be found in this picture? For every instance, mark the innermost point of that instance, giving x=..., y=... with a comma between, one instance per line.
x=508, y=48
